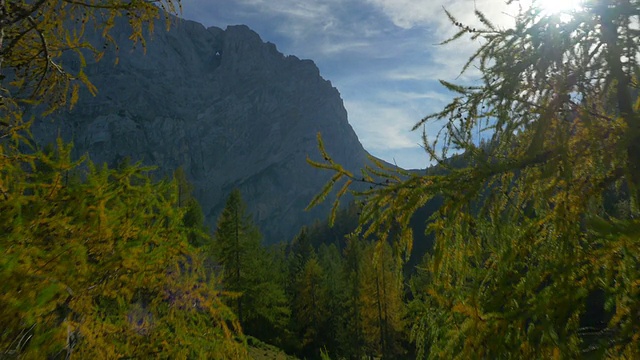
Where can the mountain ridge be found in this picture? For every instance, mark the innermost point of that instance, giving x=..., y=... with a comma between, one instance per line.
x=229, y=108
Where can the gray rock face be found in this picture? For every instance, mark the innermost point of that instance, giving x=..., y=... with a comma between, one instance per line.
x=227, y=107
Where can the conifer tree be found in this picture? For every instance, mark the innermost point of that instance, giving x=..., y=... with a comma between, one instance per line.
x=311, y=307
x=248, y=271
x=298, y=252
x=96, y=261
x=236, y=241
x=301, y=250
x=34, y=36
x=97, y=264
x=193, y=218
x=382, y=299
x=332, y=264
x=353, y=298
x=526, y=231
x=268, y=310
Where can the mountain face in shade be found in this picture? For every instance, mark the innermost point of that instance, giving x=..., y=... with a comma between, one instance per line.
x=227, y=107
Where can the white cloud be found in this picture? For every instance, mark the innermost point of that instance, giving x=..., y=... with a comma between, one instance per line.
x=445, y=63
x=331, y=48
x=410, y=158
x=410, y=96
x=385, y=121
x=410, y=13
x=380, y=54
x=382, y=127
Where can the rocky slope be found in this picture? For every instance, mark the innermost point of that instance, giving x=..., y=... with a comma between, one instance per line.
x=229, y=108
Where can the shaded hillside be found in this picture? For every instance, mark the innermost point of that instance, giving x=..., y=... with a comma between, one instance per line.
x=227, y=107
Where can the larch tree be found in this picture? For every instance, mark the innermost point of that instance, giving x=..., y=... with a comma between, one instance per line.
x=95, y=262
x=34, y=35
x=544, y=214
x=382, y=304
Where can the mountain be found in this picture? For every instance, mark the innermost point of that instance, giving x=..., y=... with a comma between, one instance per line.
x=226, y=106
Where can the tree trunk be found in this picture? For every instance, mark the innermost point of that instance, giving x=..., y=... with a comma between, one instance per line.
x=239, y=300
x=380, y=314
x=614, y=53
x=386, y=312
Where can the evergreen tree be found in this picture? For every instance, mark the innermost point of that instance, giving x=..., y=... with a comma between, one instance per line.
x=311, y=308
x=236, y=241
x=525, y=233
x=332, y=264
x=354, y=339
x=248, y=271
x=193, y=218
x=268, y=309
x=300, y=251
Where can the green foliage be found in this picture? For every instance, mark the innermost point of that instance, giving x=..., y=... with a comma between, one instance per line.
x=249, y=271
x=347, y=305
x=311, y=305
x=382, y=212
x=193, y=218
x=354, y=262
x=331, y=262
x=524, y=234
x=236, y=240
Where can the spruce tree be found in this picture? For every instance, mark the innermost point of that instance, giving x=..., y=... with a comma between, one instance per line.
x=382, y=297
x=193, y=218
x=311, y=307
x=236, y=241
x=247, y=270
x=354, y=305
x=332, y=263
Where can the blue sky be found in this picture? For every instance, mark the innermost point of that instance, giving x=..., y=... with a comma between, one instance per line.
x=380, y=54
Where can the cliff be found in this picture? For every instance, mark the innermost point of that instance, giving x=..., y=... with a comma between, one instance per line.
x=227, y=107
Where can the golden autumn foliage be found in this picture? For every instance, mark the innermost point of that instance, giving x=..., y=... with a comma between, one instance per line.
x=382, y=308
x=35, y=34
x=537, y=251
x=94, y=262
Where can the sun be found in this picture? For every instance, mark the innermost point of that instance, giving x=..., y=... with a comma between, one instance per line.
x=558, y=7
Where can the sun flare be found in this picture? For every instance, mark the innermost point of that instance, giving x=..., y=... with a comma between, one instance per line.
x=558, y=6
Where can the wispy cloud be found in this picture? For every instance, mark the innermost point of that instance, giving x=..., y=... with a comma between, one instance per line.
x=445, y=63
x=380, y=54
x=385, y=121
x=411, y=13
x=384, y=129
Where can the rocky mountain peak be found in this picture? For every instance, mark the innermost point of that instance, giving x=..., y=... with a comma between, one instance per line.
x=227, y=107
